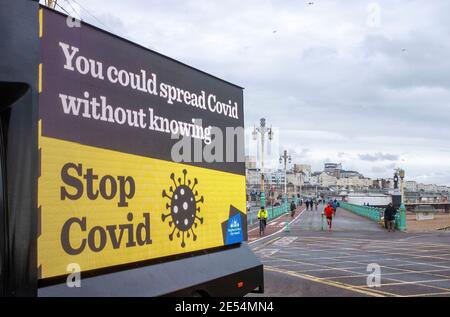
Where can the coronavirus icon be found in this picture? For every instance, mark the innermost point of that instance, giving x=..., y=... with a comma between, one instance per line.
x=183, y=208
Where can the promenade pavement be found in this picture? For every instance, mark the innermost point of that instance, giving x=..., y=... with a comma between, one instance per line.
x=310, y=261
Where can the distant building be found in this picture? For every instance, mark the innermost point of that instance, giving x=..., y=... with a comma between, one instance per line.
x=250, y=162
x=428, y=188
x=272, y=178
x=304, y=169
x=344, y=174
x=388, y=183
x=252, y=174
x=411, y=186
x=355, y=182
x=377, y=184
x=330, y=167
x=314, y=179
x=253, y=178
x=333, y=169
x=275, y=178
x=294, y=181
x=327, y=180
x=334, y=178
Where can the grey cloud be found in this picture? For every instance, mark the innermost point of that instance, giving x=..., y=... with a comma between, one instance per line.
x=323, y=70
x=299, y=155
x=378, y=169
x=378, y=157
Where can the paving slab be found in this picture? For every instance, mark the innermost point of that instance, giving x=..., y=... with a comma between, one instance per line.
x=309, y=261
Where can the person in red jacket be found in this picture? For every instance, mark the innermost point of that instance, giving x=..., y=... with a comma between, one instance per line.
x=329, y=214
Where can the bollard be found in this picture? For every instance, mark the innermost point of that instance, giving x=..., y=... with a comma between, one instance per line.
x=322, y=221
x=263, y=200
x=286, y=229
x=402, y=218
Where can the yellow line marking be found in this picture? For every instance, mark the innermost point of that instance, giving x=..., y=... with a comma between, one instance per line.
x=417, y=282
x=316, y=264
x=390, y=277
x=271, y=241
x=362, y=264
x=429, y=294
x=420, y=284
x=443, y=267
x=328, y=279
x=323, y=266
x=265, y=244
x=385, y=275
x=361, y=240
x=39, y=133
x=41, y=23
x=40, y=78
x=329, y=283
x=395, y=253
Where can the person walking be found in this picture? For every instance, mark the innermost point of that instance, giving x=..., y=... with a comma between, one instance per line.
x=389, y=217
x=293, y=207
x=307, y=204
x=316, y=203
x=335, y=206
x=329, y=215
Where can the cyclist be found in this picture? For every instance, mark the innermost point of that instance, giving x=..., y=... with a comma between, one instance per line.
x=262, y=216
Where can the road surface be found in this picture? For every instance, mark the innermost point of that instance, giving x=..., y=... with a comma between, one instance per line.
x=307, y=261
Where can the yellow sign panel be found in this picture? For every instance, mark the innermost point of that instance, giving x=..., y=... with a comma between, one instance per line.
x=101, y=208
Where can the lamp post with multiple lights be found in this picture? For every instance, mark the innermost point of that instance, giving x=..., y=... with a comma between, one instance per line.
x=402, y=222
x=260, y=132
x=286, y=159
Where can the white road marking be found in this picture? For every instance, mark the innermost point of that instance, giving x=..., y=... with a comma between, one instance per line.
x=297, y=218
x=285, y=241
x=267, y=252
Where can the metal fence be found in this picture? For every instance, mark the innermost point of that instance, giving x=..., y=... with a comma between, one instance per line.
x=372, y=213
x=274, y=212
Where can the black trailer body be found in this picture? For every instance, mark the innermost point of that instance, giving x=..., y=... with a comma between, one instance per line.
x=101, y=177
x=19, y=56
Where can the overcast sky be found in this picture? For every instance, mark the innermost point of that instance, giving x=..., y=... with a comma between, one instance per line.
x=364, y=83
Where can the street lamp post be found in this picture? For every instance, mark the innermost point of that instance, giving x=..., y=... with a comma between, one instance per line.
x=286, y=158
x=402, y=224
x=261, y=131
x=302, y=180
x=401, y=173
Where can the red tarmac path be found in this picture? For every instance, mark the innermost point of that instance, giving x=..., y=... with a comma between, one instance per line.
x=274, y=226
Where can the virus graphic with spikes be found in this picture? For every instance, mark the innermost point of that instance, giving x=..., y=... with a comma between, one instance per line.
x=183, y=208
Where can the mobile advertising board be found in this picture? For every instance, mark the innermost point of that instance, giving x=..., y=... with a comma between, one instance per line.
x=110, y=192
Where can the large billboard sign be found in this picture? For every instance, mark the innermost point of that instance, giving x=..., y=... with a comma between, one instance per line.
x=114, y=119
